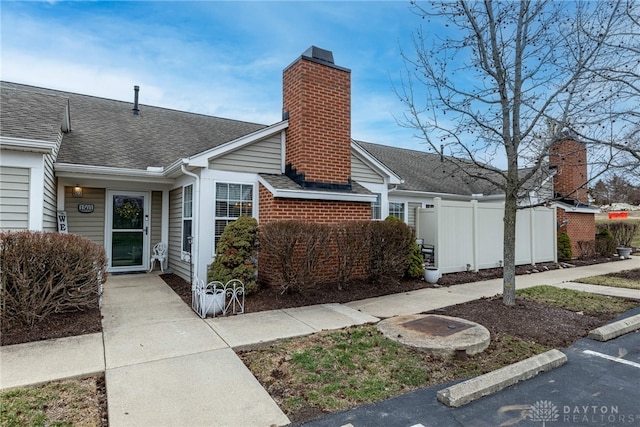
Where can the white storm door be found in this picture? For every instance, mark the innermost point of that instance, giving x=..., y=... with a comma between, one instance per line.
x=127, y=237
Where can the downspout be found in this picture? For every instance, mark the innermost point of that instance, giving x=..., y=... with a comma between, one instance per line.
x=196, y=218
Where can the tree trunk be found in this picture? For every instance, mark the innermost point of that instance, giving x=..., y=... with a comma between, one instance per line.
x=509, y=252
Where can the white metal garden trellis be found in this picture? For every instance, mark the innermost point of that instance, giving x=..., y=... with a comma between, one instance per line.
x=217, y=297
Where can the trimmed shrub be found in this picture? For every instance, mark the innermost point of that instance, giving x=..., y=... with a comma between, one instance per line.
x=605, y=243
x=236, y=254
x=586, y=249
x=416, y=262
x=295, y=250
x=623, y=232
x=391, y=243
x=352, y=241
x=564, y=247
x=45, y=273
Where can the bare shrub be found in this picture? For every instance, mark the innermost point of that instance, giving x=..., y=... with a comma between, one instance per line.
x=352, y=241
x=623, y=232
x=45, y=273
x=391, y=244
x=586, y=249
x=605, y=243
x=296, y=249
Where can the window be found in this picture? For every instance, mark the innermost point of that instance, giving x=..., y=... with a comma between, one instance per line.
x=232, y=201
x=187, y=216
x=397, y=210
x=376, y=208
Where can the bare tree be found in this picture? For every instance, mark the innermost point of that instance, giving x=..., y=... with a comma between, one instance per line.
x=495, y=82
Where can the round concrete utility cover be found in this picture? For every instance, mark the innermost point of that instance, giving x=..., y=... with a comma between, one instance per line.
x=436, y=334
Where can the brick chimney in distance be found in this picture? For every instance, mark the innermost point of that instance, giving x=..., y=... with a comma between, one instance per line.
x=570, y=180
x=317, y=102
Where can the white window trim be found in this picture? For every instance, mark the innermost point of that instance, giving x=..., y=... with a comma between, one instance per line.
x=184, y=255
x=254, y=204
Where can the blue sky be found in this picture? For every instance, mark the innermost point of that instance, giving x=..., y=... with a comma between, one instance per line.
x=217, y=58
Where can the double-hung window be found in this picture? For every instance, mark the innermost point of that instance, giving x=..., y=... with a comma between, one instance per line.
x=397, y=210
x=187, y=217
x=376, y=208
x=232, y=201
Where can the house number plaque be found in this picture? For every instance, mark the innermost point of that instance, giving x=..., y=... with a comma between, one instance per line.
x=85, y=208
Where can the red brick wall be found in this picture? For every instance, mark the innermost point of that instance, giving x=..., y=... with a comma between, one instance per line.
x=580, y=227
x=320, y=211
x=318, y=99
x=571, y=178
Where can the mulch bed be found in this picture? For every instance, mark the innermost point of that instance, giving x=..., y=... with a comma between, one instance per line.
x=529, y=320
x=62, y=325
x=273, y=299
x=57, y=325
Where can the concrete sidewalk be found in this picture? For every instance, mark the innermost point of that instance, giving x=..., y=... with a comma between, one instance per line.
x=166, y=366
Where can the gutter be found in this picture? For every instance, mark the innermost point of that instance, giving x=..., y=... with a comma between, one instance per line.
x=196, y=218
x=70, y=170
x=29, y=145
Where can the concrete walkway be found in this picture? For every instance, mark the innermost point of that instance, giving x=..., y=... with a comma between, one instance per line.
x=165, y=366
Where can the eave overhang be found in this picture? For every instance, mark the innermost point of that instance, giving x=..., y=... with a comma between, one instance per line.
x=28, y=145
x=69, y=170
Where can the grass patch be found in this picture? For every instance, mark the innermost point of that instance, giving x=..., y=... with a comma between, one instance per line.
x=577, y=301
x=334, y=371
x=59, y=403
x=625, y=279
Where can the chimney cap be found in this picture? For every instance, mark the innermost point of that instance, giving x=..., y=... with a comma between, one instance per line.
x=319, y=54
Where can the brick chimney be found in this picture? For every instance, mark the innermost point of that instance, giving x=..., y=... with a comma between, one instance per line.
x=317, y=102
x=570, y=158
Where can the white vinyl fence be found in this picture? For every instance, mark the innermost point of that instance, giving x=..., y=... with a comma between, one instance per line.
x=469, y=235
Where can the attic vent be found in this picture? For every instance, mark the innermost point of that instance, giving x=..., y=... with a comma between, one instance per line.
x=135, y=109
x=318, y=54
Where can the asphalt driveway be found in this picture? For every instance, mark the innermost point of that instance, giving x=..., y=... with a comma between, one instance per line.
x=598, y=386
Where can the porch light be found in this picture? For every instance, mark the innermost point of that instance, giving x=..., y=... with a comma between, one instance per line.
x=77, y=191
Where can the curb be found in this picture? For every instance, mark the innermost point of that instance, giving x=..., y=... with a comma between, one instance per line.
x=475, y=388
x=615, y=329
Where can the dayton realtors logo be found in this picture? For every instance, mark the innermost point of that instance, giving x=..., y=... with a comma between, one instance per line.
x=544, y=411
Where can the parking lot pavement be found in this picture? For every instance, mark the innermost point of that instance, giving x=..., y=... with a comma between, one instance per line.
x=598, y=386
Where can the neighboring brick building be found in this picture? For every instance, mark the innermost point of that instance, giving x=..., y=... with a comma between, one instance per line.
x=574, y=214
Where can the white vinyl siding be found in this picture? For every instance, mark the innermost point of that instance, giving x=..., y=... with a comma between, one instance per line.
x=412, y=213
x=89, y=225
x=179, y=267
x=360, y=172
x=49, y=211
x=263, y=156
x=14, y=198
x=156, y=218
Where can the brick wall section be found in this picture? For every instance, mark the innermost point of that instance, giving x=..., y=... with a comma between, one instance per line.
x=580, y=227
x=320, y=211
x=318, y=99
x=571, y=159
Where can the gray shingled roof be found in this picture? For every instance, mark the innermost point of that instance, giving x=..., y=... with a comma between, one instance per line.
x=104, y=132
x=426, y=172
x=28, y=115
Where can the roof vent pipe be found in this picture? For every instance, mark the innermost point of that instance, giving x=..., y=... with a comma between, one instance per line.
x=136, y=110
x=441, y=152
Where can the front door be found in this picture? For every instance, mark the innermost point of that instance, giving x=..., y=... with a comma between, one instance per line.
x=127, y=237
